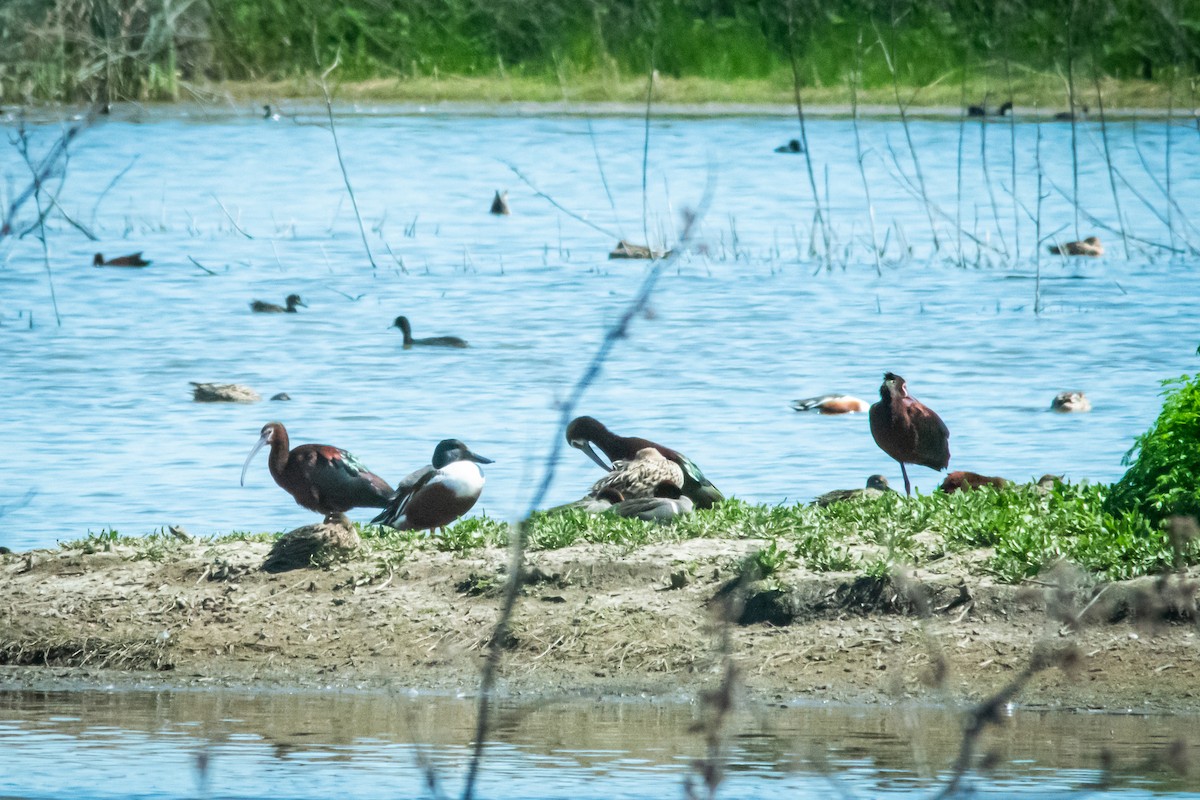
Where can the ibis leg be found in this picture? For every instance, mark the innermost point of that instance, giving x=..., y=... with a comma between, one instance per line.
x=907, y=485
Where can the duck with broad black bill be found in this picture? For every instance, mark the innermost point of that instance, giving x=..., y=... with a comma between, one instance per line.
x=293, y=300
x=584, y=432
x=132, y=260
x=908, y=430
x=431, y=341
x=320, y=477
x=832, y=404
x=436, y=495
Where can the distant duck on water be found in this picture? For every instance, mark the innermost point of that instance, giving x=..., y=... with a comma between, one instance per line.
x=1071, y=403
x=223, y=393
x=436, y=495
x=1090, y=246
x=984, y=110
x=793, y=146
x=132, y=260
x=431, y=341
x=500, y=204
x=832, y=404
x=293, y=300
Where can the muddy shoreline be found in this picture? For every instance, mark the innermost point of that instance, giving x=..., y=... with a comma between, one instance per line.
x=594, y=620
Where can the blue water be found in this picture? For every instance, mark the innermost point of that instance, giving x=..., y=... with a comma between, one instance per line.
x=225, y=744
x=98, y=417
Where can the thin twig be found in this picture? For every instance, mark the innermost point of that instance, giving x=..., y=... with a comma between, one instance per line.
x=557, y=204
x=229, y=217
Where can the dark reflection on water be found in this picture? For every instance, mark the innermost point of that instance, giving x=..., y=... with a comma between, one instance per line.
x=98, y=414
x=124, y=744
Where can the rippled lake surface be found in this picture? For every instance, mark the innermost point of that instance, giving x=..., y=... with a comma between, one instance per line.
x=225, y=744
x=99, y=421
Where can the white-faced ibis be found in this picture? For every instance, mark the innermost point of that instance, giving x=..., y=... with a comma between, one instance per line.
x=500, y=204
x=908, y=430
x=431, y=341
x=877, y=486
x=1088, y=247
x=223, y=393
x=322, y=478
x=292, y=301
x=984, y=110
x=436, y=495
x=647, y=474
x=1070, y=403
x=132, y=260
x=792, y=146
x=583, y=432
x=959, y=480
x=832, y=404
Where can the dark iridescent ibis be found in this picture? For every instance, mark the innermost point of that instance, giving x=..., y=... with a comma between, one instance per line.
x=832, y=404
x=583, y=432
x=321, y=478
x=292, y=301
x=431, y=341
x=436, y=495
x=959, y=480
x=132, y=260
x=908, y=430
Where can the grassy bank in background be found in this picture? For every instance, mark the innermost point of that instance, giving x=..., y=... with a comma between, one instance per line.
x=1043, y=53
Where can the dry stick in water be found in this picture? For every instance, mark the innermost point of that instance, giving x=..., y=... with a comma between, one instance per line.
x=555, y=203
x=858, y=151
x=1071, y=109
x=819, y=218
x=991, y=190
x=1037, y=221
x=229, y=217
x=1012, y=144
x=962, y=135
x=338, y=149
x=1179, y=213
x=512, y=586
x=1112, y=179
x=646, y=145
x=888, y=58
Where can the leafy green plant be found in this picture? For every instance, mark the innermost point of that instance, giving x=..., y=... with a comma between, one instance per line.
x=1163, y=478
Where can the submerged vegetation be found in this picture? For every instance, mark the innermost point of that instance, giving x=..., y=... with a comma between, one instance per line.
x=1012, y=534
x=102, y=50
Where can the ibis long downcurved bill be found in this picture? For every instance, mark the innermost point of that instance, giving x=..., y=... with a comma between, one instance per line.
x=266, y=437
x=586, y=447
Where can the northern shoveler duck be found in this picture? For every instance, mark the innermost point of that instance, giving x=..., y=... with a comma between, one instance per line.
x=298, y=548
x=132, y=260
x=626, y=249
x=292, y=301
x=583, y=432
x=1088, y=247
x=877, y=486
x=647, y=474
x=663, y=510
x=832, y=404
x=984, y=110
x=908, y=430
x=321, y=478
x=436, y=495
x=959, y=480
x=270, y=113
x=1070, y=403
x=793, y=146
x=500, y=203
x=431, y=341
x=223, y=393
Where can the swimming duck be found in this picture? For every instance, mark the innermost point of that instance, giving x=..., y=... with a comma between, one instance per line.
x=984, y=110
x=877, y=486
x=832, y=404
x=431, y=341
x=319, y=477
x=270, y=114
x=793, y=146
x=583, y=432
x=436, y=495
x=626, y=249
x=132, y=260
x=1088, y=247
x=1067, y=116
x=647, y=474
x=292, y=301
x=1070, y=403
x=223, y=393
x=500, y=203
x=959, y=480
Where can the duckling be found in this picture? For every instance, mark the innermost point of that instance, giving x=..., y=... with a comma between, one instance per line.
x=832, y=404
x=793, y=146
x=500, y=203
x=1071, y=403
x=431, y=341
x=877, y=486
x=132, y=260
x=292, y=301
x=223, y=393
x=959, y=480
x=1088, y=247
